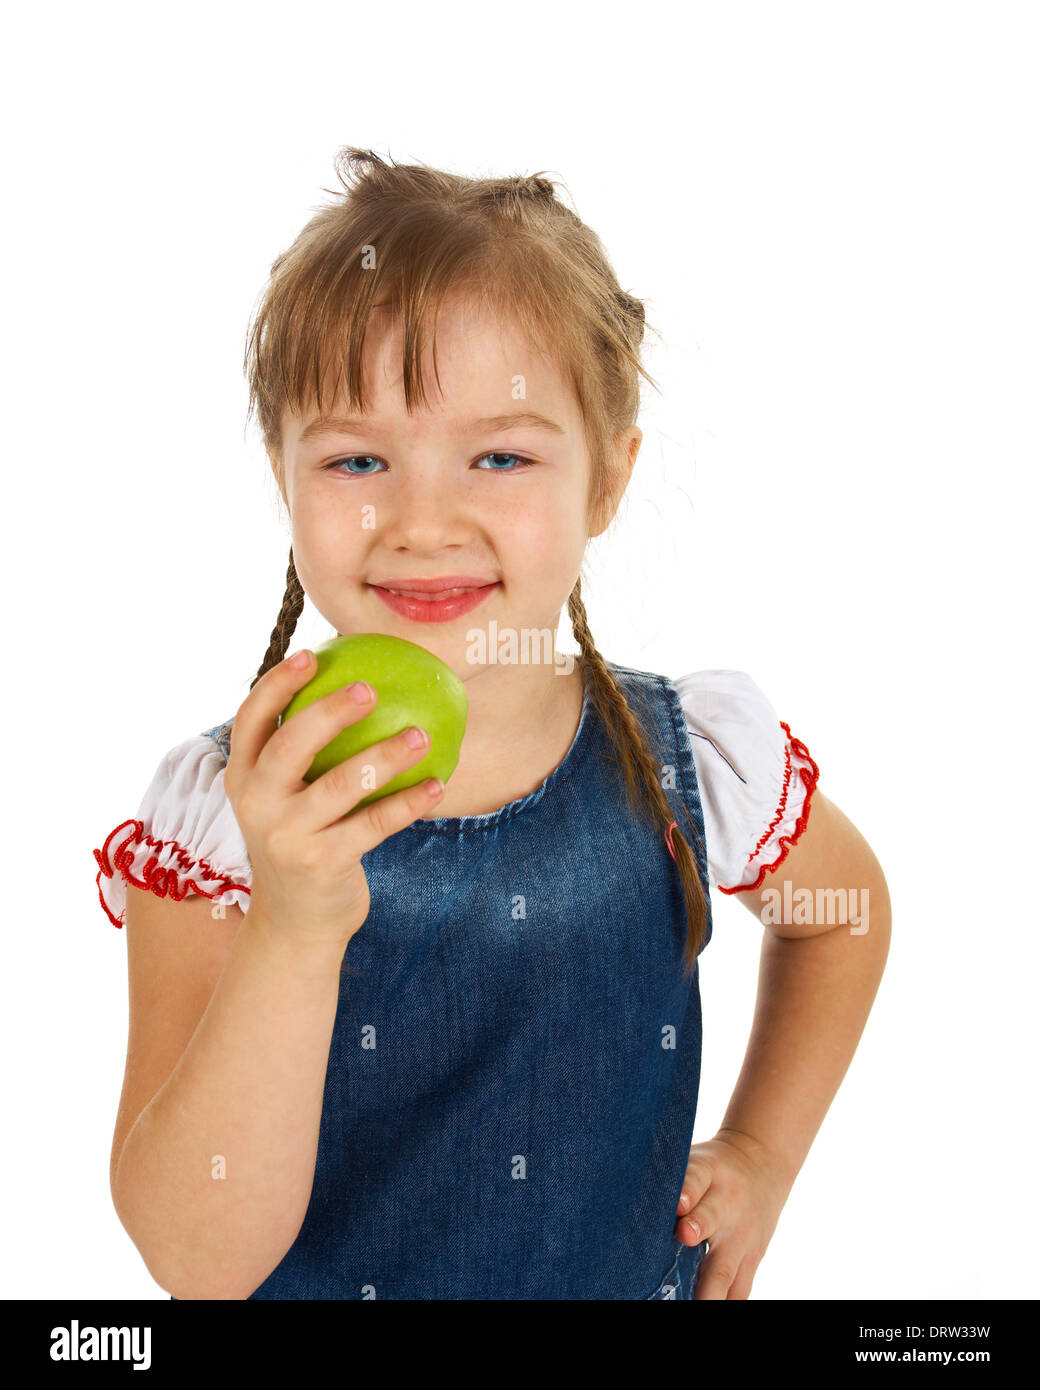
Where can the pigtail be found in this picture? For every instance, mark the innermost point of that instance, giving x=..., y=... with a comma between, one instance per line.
x=641, y=773
x=285, y=626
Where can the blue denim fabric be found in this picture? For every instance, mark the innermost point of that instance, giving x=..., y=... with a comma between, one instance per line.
x=681, y=1280
x=513, y=1072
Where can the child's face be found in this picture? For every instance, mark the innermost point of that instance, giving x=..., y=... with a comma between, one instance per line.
x=420, y=498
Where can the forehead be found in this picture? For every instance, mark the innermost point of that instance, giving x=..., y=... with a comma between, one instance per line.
x=485, y=367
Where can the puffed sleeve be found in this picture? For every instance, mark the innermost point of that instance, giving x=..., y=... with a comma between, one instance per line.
x=756, y=779
x=184, y=838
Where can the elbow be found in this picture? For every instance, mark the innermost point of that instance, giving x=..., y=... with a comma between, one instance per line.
x=193, y=1291
x=187, y=1282
x=179, y=1275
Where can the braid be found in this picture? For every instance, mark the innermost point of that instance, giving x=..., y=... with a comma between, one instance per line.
x=642, y=776
x=285, y=626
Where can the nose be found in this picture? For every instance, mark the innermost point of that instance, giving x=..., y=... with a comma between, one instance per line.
x=429, y=511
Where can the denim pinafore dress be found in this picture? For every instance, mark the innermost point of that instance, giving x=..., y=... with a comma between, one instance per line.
x=513, y=1071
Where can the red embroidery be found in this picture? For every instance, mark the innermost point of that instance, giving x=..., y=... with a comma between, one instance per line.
x=785, y=841
x=164, y=882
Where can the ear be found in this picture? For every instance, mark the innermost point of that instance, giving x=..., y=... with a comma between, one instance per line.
x=623, y=458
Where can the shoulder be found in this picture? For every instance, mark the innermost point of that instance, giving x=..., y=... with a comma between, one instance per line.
x=184, y=837
x=756, y=778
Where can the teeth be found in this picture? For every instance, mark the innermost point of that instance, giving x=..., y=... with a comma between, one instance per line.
x=430, y=598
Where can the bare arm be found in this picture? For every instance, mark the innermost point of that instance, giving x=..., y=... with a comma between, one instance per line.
x=816, y=986
x=214, y=1177
x=213, y=1180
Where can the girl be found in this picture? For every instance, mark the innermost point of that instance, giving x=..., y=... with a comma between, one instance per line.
x=492, y=1092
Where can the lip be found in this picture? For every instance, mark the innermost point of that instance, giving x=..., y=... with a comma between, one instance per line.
x=437, y=585
x=430, y=610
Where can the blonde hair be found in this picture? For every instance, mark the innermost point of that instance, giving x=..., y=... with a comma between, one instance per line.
x=511, y=246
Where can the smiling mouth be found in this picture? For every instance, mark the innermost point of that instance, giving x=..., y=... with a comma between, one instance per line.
x=426, y=598
x=440, y=605
x=435, y=595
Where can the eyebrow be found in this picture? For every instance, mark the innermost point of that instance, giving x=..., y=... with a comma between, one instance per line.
x=342, y=424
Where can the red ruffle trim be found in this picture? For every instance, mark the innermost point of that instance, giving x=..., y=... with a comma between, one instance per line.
x=786, y=841
x=165, y=882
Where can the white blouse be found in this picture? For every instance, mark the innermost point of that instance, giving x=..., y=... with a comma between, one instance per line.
x=756, y=782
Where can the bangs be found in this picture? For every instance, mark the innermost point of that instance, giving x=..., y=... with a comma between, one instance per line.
x=321, y=349
x=306, y=346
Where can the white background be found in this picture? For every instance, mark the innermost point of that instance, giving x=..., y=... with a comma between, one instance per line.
x=831, y=213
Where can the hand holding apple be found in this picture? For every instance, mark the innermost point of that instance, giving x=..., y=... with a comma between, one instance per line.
x=413, y=687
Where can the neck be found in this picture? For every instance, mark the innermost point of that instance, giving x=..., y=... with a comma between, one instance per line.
x=521, y=721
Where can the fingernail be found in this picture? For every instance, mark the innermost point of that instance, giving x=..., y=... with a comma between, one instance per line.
x=360, y=691
x=415, y=738
x=692, y=1230
x=684, y=1203
x=300, y=660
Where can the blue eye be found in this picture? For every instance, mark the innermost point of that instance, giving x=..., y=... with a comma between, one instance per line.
x=361, y=458
x=527, y=462
x=354, y=458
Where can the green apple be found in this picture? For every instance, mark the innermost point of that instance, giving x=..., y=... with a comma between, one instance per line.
x=414, y=687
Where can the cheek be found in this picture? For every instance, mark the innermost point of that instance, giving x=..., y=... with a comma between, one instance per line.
x=331, y=535
x=533, y=547
x=328, y=544
x=550, y=540
x=546, y=520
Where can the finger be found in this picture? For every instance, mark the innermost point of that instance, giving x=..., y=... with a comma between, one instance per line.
x=689, y=1231
x=291, y=750
x=257, y=716
x=740, y=1286
x=370, y=825
x=695, y=1184
x=716, y=1275
x=336, y=793
x=701, y=1222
